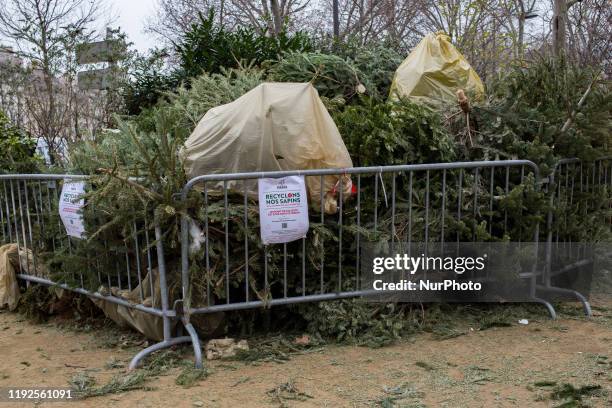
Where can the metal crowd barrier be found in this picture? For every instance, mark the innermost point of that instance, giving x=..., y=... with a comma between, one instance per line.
x=438, y=202
x=568, y=183
x=424, y=203
x=29, y=217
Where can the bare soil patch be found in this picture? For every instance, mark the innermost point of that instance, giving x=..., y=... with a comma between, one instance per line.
x=542, y=364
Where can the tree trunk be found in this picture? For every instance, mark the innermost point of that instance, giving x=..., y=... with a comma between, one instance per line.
x=276, y=16
x=221, y=12
x=521, y=31
x=558, y=22
x=48, y=129
x=336, y=19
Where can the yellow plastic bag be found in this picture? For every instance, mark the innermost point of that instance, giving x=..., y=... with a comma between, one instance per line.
x=433, y=73
x=275, y=126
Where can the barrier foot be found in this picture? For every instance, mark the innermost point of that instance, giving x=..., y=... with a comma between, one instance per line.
x=548, y=306
x=586, y=306
x=195, y=341
x=155, y=347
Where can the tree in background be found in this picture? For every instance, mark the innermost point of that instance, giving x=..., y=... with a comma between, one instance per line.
x=14, y=77
x=589, y=34
x=209, y=47
x=490, y=33
x=206, y=46
x=363, y=22
x=174, y=18
x=275, y=13
x=559, y=24
x=45, y=34
x=148, y=79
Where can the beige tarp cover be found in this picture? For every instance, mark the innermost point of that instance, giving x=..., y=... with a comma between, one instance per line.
x=9, y=288
x=149, y=325
x=13, y=260
x=275, y=126
x=434, y=72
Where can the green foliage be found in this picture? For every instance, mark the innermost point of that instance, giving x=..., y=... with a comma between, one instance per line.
x=84, y=385
x=35, y=302
x=570, y=396
x=190, y=376
x=17, y=149
x=333, y=76
x=147, y=82
x=378, y=64
x=403, y=132
x=146, y=149
x=187, y=105
x=269, y=348
x=210, y=48
x=344, y=75
x=207, y=49
x=374, y=325
x=116, y=203
x=358, y=322
x=529, y=106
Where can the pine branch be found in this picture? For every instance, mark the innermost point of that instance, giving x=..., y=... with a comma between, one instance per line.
x=572, y=116
x=152, y=194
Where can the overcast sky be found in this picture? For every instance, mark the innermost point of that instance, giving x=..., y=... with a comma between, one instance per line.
x=131, y=16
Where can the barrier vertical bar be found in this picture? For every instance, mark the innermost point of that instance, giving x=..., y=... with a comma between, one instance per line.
x=340, y=235
x=303, y=266
x=285, y=269
x=475, y=205
x=443, y=216
x=491, y=192
x=358, y=264
x=27, y=207
x=138, y=267
x=393, y=233
x=506, y=191
x=246, y=244
x=426, y=209
x=322, y=241
x=459, y=200
x=409, y=210
x=227, y=266
x=8, y=213
x=23, y=230
x=2, y=222
x=206, y=246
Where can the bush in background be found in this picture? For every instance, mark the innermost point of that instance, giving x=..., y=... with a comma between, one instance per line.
x=209, y=48
x=18, y=149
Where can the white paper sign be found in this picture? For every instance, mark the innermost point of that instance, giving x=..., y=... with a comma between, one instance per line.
x=283, y=209
x=70, y=206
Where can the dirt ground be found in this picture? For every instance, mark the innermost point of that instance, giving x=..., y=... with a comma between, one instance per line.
x=516, y=366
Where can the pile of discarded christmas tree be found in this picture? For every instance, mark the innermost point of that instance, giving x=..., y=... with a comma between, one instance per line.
x=382, y=117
